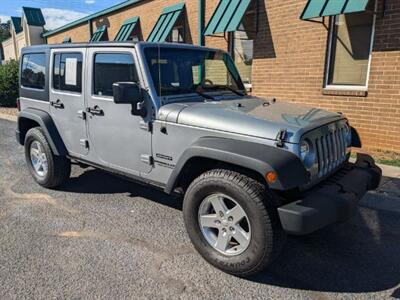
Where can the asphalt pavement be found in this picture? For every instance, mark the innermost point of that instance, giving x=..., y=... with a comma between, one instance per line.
x=106, y=238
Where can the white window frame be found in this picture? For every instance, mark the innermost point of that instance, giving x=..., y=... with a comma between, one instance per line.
x=231, y=51
x=329, y=58
x=180, y=29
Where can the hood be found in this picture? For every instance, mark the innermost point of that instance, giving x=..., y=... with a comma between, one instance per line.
x=250, y=116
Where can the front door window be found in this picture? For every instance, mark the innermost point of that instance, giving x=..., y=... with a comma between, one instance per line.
x=110, y=68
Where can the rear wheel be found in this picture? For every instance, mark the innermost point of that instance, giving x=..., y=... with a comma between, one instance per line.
x=233, y=222
x=46, y=168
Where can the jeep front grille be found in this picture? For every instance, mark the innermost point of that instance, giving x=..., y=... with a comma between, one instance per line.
x=331, y=150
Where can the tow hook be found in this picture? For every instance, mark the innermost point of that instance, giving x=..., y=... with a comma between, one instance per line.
x=280, y=138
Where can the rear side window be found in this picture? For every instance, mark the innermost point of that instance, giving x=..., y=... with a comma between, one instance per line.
x=110, y=68
x=33, y=71
x=67, y=72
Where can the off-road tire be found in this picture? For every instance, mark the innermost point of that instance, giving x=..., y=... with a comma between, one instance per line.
x=267, y=238
x=59, y=167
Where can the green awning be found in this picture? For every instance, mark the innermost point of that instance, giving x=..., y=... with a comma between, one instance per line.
x=67, y=40
x=126, y=29
x=98, y=35
x=16, y=21
x=165, y=23
x=227, y=16
x=324, y=8
x=34, y=16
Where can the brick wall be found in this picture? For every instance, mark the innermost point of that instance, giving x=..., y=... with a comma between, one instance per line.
x=148, y=11
x=289, y=61
x=290, y=65
x=79, y=33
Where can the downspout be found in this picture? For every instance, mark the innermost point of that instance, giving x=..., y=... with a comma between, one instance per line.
x=201, y=17
x=90, y=29
x=201, y=39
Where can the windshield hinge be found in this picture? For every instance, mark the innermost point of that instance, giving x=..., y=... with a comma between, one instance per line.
x=280, y=138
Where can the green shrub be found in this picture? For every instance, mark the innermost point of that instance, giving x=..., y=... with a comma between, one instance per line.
x=9, y=84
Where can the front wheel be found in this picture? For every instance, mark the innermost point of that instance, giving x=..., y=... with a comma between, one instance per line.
x=232, y=221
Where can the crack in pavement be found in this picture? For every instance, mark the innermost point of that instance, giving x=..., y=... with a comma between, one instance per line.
x=31, y=197
x=162, y=254
x=35, y=198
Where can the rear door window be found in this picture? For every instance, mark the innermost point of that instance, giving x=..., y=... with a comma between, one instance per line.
x=67, y=72
x=110, y=68
x=33, y=71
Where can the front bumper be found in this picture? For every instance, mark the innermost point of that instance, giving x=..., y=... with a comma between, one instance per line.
x=334, y=200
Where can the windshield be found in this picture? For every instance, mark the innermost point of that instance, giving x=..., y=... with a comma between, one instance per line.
x=180, y=71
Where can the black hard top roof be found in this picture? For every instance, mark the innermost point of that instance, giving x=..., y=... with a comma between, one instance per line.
x=79, y=45
x=47, y=47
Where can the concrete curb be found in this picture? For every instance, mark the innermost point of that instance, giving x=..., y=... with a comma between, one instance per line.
x=388, y=171
x=8, y=117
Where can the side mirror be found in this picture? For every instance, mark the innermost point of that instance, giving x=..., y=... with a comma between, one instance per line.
x=129, y=93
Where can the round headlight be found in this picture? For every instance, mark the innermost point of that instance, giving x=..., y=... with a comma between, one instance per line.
x=304, y=150
x=307, y=154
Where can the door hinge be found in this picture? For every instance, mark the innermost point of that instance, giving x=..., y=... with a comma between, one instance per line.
x=84, y=143
x=82, y=114
x=146, y=126
x=147, y=159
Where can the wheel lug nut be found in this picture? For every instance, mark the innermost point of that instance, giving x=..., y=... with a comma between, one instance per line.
x=230, y=219
x=223, y=230
x=221, y=214
x=231, y=228
x=217, y=222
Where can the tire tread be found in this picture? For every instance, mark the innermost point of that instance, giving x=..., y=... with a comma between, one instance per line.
x=59, y=166
x=264, y=200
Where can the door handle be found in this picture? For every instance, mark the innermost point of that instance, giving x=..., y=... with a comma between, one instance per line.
x=95, y=110
x=57, y=104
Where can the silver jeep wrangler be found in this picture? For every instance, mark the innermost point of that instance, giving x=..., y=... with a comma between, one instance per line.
x=178, y=117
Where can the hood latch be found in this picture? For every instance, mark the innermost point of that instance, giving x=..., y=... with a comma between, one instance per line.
x=280, y=138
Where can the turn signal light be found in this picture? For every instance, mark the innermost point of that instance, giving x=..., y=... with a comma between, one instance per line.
x=271, y=177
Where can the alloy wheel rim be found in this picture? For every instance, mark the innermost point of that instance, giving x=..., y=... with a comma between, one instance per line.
x=224, y=224
x=38, y=159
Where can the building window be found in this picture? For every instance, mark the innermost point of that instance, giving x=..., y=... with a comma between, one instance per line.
x=350, y=46
x=135, y=35
x=67, y=72
x=111, y=68
x=33, y=71
x=241, y=46
x=177, y=35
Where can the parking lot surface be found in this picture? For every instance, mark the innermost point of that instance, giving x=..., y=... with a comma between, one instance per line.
x=103, y=237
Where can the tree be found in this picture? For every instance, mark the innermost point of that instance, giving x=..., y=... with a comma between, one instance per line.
x=9, y=83
x=4, y=31
x=4, y=35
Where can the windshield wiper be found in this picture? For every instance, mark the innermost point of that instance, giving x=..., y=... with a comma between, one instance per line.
x=187, y=90
x=233, y=90
x=204, y=95
x=222, y=87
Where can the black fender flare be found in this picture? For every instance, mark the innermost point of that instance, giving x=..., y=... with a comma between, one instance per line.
x=355, y=138
x=257, y=157
x=46, y=123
